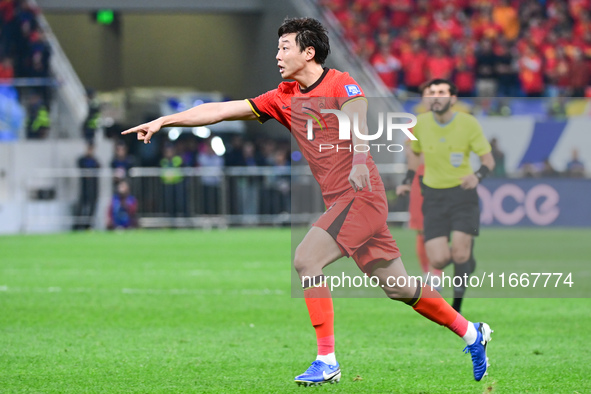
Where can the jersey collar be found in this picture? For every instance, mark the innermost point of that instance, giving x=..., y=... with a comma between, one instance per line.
x=311, y=87
x=444, y=124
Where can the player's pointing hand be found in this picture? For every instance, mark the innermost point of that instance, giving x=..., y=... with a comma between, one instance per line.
x=145, y=131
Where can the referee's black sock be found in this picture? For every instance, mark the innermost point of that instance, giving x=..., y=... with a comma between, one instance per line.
x=472, y=260
x=464, y=271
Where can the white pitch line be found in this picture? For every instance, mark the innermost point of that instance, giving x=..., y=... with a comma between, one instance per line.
x=197, y=292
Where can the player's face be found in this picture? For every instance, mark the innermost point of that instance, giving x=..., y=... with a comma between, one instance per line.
x=438, y=98
x=290, y=59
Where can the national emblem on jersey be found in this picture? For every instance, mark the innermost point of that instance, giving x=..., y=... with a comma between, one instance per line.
x=352, y=90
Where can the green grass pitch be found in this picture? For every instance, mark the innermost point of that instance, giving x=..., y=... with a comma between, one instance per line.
x=193, y=311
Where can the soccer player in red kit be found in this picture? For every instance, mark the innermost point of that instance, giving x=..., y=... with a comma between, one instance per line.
x=354, y=224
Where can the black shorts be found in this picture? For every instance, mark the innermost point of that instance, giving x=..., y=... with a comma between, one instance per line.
x=447, y=210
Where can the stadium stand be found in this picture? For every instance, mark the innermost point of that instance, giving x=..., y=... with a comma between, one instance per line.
x=24, y=57
x=487, y=47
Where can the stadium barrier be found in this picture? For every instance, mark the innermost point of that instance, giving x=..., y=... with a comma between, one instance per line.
x=248, y=196
x=199, y=197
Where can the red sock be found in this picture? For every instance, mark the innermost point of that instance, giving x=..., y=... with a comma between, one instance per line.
x=319, y=303
x=422, y=253
x=435, y=308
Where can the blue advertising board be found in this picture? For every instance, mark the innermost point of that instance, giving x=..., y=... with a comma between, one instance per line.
x=535, y=202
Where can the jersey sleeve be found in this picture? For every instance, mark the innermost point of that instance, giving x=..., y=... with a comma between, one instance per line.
x=264, y=106
x=415, y=145
x=346, y=90
x=478, y=142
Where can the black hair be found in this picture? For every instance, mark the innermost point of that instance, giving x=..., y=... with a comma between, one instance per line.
x=424, y=86
x=309, y=33
x=453, y=89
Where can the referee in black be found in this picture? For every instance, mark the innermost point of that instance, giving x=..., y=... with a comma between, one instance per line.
x=450, y=207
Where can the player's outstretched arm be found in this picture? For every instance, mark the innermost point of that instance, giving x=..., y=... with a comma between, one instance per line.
x=201, y=115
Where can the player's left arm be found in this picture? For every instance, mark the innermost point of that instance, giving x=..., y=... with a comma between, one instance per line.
x=479, y=145
x=359, y=176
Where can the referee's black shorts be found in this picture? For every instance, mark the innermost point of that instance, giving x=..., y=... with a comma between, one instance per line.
x=447, y=210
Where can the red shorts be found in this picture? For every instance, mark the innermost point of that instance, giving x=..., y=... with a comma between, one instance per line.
x=415, y=205
x=357, y=222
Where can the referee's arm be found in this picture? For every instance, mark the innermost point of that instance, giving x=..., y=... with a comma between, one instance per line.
x=487, y=165
x=413, y=160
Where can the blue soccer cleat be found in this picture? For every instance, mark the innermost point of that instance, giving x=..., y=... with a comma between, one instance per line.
x=478, y=350
x=319, y=373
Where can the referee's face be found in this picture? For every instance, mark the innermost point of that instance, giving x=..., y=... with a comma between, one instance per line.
x=439, y=98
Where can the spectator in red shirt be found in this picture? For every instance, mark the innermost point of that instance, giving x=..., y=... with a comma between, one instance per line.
x=583, y=24
x=400, y=11
x=548, y=48
x=414, y=64
x=373, y=11
x=464, y=77
x=577, y=7
x=557, y=73
x=486, y=27
x=383, y=33
x=569, y=43
x=538, y=31
x=419, y=26
x=339, y=8
x=364, y=47
x=387, y=66
x=530, y=73
x=6, y=69
x=401, y=43
x=446, y=25
x=439, y=64
x=586, y=48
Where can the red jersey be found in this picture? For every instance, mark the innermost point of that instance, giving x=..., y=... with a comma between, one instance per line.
x=530, y=74
x=415, y=68
x=440, y=67
x=292, y=107
x=387, y=68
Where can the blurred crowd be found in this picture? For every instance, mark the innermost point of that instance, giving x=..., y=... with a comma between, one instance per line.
x=174, y=194
x=574, y=168
x=24, y=53
x=23, y=50
x=489, y=48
